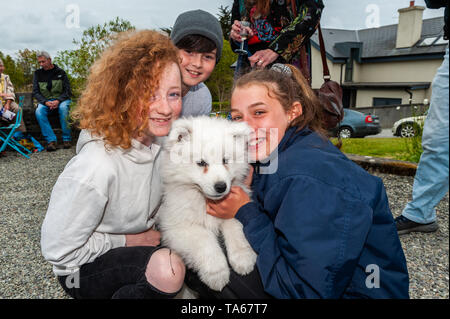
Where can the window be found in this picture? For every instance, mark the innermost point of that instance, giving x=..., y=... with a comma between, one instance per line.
x=441, y=41
x=349, y=65
x=377, y=101
x=427, y=41
x=349, y=71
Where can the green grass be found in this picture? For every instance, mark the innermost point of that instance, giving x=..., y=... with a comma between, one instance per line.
x=393, y=148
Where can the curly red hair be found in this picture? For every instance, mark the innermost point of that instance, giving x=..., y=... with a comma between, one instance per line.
x=120, y=85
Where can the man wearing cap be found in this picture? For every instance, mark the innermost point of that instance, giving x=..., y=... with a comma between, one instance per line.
x=198, y=36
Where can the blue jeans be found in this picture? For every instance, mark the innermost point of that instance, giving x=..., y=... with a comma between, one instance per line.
x=431, y=180
x=42, y=113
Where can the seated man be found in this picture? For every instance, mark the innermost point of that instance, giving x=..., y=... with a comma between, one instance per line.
x=51, y=88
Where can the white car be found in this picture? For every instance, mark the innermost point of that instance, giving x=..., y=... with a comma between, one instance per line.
x=409, y=126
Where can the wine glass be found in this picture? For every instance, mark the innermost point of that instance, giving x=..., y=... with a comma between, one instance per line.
x=244, y=35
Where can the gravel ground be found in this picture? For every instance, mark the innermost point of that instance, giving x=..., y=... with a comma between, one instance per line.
x=26, y=185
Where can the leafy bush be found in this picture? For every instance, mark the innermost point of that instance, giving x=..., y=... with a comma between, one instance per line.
x=220, y=106
x=413, y=145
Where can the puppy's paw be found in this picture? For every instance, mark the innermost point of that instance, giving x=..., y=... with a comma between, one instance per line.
x=243, y=261
x=216, y=278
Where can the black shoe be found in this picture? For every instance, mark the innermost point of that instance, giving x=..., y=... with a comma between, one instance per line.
x=67, y=144
x=51, y=147
x=406, y=226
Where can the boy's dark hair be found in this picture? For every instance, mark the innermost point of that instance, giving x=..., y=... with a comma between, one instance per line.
x=196, y=43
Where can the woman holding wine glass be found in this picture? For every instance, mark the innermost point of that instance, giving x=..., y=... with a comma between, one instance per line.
x=277, y=31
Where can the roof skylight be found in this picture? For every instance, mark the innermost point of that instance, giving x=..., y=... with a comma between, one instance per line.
x=427, y=41
x=440, y=41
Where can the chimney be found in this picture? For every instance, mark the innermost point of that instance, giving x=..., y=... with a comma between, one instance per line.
x=409, y=27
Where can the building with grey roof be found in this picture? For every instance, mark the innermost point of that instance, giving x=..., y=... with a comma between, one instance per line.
x=389, y=65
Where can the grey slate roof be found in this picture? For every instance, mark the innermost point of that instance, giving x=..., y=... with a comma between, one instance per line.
x=380, y=42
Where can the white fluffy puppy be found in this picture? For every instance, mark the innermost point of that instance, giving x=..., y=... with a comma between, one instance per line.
x=202, y=158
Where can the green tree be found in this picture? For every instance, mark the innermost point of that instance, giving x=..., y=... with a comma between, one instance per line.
x=95, y=39
x=225, y=21
x=14, y=71
x=27, y=62
x=221, y=80
x=167, y=30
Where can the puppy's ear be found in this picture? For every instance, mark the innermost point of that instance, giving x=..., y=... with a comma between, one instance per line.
x=181, y=131
x=240, y=129
x=240, y=133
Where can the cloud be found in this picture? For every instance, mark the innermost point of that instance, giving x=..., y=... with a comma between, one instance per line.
x=42, y=24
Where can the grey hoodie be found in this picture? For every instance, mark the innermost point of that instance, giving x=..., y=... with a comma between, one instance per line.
x=101, y=196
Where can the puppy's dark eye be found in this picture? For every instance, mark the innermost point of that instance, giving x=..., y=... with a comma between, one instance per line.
x=202, y=163
x=225, y=161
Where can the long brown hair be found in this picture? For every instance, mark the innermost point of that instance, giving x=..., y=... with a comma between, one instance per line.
x=262, y=6
x=120, y=85
x=288, y=89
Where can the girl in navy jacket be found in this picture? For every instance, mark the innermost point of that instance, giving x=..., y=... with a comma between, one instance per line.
x=320, y=224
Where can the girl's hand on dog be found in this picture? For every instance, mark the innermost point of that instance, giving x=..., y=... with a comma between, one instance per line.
x=229, y=206
x=150, y=237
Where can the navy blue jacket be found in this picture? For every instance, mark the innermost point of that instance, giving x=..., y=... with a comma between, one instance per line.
x=322, y=227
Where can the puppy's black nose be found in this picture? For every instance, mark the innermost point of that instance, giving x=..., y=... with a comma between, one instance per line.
x=220, y=187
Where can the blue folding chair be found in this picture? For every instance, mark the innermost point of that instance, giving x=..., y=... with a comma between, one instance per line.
x=7, y=132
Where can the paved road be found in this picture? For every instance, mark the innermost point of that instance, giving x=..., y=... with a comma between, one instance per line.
x=386, y=132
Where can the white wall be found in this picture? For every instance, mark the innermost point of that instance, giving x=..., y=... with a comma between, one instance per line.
x=364, y=97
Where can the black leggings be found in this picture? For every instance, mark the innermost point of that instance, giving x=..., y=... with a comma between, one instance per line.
x=117, y=274
x=239, y=287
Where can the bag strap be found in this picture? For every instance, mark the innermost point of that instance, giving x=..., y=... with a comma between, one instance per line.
x=326, y=71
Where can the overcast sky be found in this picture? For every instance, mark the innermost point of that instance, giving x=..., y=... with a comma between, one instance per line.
x=51, y=25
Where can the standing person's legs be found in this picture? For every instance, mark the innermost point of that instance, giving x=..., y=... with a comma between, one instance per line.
x=63, y=110
x=432, y=176
x=128, y=273
x=42, y=112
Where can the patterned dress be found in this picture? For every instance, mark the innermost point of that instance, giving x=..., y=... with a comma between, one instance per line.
x=281, y=30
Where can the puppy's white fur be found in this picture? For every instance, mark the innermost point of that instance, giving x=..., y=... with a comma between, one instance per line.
x=202, y=158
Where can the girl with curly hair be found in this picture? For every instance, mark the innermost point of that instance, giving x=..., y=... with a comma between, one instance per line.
x=98, y=232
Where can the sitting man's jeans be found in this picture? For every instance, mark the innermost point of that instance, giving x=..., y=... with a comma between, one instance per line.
x=42, y=113
x=431, y=180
